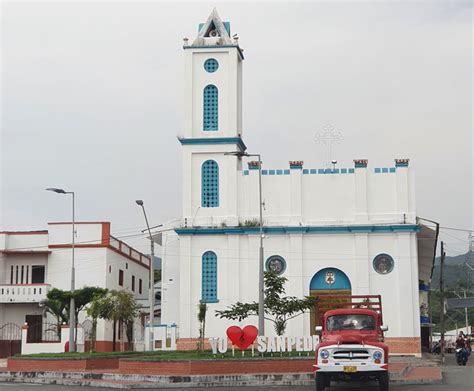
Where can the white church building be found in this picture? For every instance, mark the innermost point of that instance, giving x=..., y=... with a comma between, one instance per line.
x=357, y=224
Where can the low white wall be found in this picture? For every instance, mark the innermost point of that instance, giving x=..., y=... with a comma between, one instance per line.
x=43, y=347
x=164, y=334
x=50, y=347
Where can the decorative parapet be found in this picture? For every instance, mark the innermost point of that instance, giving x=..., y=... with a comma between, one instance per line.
x=254, y=165
x=384, y=170
x=360, y=163
x=311, y=171
x=401, y=162
x=296, y=164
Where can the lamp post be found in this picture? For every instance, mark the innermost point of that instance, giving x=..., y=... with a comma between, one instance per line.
x=261, y=284
x=72, y=309
x=151, y=292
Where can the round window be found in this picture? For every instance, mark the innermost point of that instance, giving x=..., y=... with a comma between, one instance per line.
x=275, y=264
x=383, y=263
x=211, y=65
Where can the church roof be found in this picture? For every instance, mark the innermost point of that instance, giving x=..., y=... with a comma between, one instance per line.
x=214, y=32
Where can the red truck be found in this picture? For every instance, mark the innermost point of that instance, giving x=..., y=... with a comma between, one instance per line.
x=351, y=346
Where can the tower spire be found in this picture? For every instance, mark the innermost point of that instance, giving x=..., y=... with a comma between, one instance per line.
x=213, y=32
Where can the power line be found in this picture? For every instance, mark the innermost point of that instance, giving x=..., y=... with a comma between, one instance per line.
x=457, y=229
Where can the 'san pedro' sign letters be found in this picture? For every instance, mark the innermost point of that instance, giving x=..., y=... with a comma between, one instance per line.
x=243, y=338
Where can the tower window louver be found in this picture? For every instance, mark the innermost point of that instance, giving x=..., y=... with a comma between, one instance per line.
x=210, y=110
x=210, y=184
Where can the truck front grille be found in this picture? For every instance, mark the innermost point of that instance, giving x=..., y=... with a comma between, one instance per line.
x=351, y=354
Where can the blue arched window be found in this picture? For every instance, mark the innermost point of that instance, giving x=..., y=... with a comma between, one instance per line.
x=210, y=184
x=330, y=279
x=210, y=108
x=209, y=277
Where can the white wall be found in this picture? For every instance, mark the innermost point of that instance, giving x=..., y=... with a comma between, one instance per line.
x=362, y=197
x=24, y=241
x=89, y=265
x=170, y=278
x=15, y=313
x=47, y=347
x=229, y=176
x=227, y=79
x=305, y=255
x=61, y=233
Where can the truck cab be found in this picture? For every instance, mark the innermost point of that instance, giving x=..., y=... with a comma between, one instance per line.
x=351, y=344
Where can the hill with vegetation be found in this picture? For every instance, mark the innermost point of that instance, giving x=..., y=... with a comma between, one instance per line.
x=457, y=277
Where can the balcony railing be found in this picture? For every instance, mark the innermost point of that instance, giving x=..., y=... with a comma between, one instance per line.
x=129, y=252
x=23, y=293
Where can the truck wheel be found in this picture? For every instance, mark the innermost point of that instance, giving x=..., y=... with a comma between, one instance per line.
x=320, y=381
x=383, y=381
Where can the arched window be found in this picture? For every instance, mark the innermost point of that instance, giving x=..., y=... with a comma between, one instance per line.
x=210, y=184
x=210, y=108
x=209, y=277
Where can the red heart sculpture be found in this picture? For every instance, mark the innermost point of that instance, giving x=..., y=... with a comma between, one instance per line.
x=242, y=338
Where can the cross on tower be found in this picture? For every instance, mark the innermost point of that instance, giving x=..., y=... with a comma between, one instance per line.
x=328, y=137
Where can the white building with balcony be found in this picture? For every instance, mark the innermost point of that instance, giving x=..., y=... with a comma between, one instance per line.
x=349, y=230
x=33, y=262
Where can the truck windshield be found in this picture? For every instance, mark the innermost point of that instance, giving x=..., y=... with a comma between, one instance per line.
x=351, y=322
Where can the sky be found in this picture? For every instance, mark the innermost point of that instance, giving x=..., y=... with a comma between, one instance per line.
x=92, y=101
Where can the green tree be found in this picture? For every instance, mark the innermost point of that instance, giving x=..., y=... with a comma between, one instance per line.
x=116, y=306
x=454, y=318
x=56, y=309
x=202, y=311
x=99, y=307
x=278, y=309
x=57, y=303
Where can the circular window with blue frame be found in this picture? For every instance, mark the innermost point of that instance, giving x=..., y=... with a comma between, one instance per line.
x=383, y=263
x=275, y=264
x=211, y=65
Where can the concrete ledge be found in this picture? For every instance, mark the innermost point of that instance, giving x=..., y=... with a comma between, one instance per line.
x=217, y=367
x=51, y=364
x=421, y=375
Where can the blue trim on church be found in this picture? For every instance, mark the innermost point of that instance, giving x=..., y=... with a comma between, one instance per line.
x=409, y=228
x=214, y=140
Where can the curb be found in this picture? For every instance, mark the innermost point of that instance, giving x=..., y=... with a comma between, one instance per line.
x=119, y=381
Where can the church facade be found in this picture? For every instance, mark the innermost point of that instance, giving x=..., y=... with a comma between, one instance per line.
x=339, y=230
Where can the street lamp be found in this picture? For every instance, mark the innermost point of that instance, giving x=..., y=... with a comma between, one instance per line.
x=261, y=285
x=151, y=293
x=72, y=310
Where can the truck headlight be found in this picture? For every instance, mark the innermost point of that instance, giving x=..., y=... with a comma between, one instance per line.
x=377, y=355
x=324, y=354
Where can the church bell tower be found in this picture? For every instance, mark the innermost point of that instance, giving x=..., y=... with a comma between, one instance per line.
x=212, y=125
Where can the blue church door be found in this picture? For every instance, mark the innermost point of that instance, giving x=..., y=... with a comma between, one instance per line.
x=327, y=281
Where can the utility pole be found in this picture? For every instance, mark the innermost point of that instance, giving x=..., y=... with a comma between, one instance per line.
x=72, y=308
x=441, y=290
x=261, y=267
x=465, y=315
x=151, y=291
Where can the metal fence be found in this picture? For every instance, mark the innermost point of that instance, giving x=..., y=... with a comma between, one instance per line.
x=44, y=332
x=10, y=340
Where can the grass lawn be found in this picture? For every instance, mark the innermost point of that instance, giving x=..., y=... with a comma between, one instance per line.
x=164, y=355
